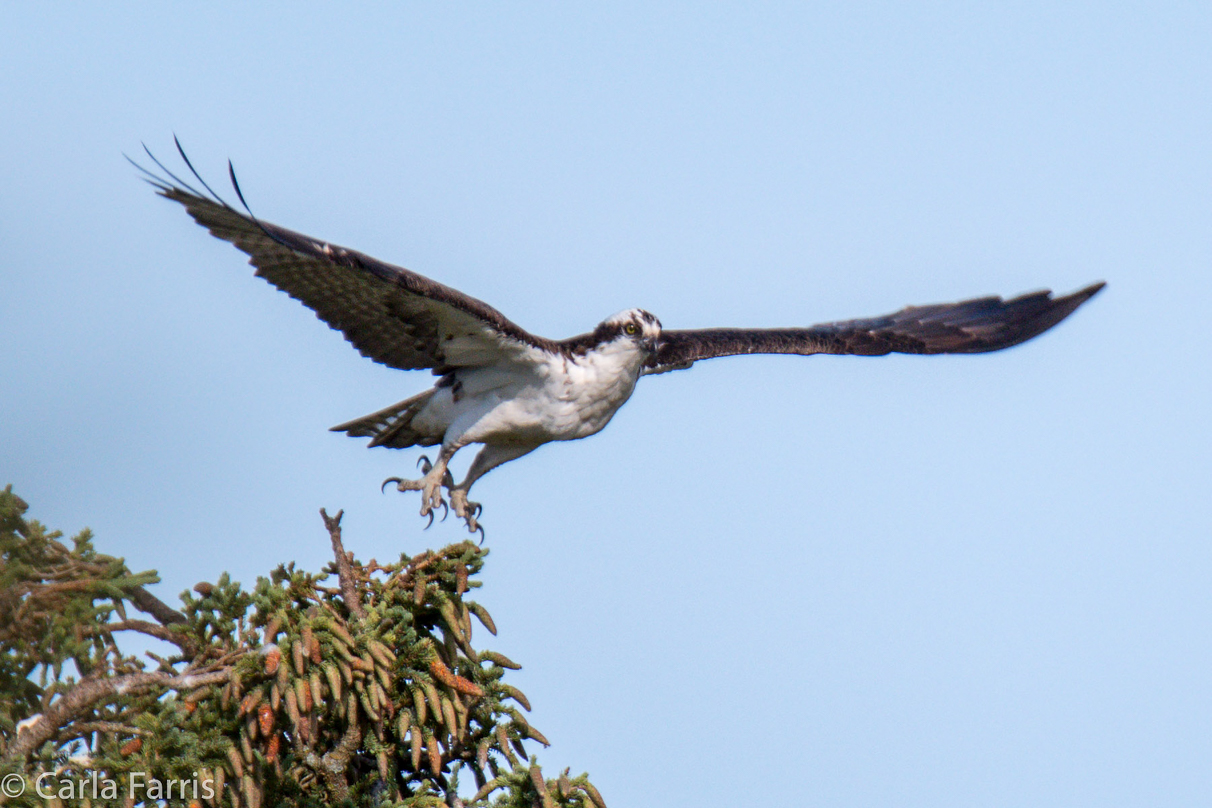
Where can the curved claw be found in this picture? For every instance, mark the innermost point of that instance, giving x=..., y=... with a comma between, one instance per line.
x=479, y=509
x=480, y=530
x=424, y=464
x=383, y=487
x=445, y=510
x=429, y=524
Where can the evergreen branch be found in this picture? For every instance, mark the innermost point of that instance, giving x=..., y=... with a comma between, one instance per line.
x=79, y=729
x=95, y=689
x=148, y=603
x=186, y=643
x=293, y=694
x=334, y=763
x=349, y=592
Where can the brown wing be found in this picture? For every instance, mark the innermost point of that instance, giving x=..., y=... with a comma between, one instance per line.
x=970, y=326
x=390, y=314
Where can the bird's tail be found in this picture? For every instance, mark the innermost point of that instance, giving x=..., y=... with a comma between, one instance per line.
x=392, y=426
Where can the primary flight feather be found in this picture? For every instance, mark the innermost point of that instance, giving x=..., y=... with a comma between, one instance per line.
x=512, y=391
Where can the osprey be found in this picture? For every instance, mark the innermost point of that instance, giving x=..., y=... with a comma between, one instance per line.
x=512, y=391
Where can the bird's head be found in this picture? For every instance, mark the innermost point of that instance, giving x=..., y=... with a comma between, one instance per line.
x=633, y=325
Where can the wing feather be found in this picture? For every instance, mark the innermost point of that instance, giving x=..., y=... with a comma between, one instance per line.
x=971, y=326
x=390, y=314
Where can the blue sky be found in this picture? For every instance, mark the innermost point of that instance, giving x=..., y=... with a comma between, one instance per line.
x=834, y=581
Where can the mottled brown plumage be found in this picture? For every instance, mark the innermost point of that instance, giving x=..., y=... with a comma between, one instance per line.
x=512, y=391
x=970, y=326
x=390, y=314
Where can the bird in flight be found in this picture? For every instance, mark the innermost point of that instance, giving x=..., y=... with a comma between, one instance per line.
x=511, y=391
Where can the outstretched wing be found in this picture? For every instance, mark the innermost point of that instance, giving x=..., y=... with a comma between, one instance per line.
x=390, y=314
x=970, y=326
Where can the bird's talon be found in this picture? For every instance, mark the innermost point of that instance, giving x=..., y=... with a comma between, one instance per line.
x=354, y=297
x=388, y=481
x=432, y=499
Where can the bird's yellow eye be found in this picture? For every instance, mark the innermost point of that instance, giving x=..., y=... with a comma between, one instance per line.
x=631, y=329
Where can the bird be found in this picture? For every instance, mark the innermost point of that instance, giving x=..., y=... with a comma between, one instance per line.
x=511, y=391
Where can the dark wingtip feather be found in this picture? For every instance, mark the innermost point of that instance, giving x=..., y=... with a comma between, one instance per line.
x=1056, y=310
x=1090, y=291
x=231, y=172
x=194, y=171
x=174, y=186
x=164, y=185
x=152, y=179
x=1066, y=305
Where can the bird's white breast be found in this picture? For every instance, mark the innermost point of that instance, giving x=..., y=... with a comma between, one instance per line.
x=591, y=388
x=557, y=398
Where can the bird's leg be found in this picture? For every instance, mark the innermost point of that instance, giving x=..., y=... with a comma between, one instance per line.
x=431, y=492
x=465, y=509
x=430, y=486
x=488, y=459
